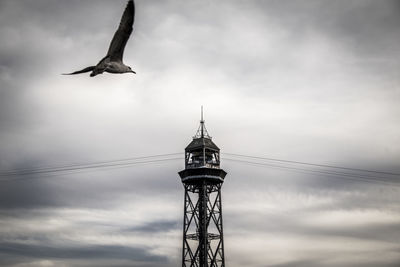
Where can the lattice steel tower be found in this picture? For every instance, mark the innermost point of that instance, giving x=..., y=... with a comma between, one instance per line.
x=202, y=178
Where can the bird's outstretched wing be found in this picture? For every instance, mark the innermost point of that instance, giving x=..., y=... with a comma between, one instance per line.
x=81, y=71
x=121, y=36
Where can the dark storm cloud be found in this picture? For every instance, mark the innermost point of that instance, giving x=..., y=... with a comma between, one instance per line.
x=86, y=252
x=27, y=194
x=153, y=227
x=87, y=189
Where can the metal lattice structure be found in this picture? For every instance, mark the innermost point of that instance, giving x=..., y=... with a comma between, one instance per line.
x=202, y=178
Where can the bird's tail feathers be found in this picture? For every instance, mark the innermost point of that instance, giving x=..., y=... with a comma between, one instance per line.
x=91, y=68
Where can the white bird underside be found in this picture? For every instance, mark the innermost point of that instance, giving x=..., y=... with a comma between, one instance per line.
x=113, y=62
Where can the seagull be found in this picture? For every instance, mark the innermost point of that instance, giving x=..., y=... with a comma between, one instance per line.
x=112, y=62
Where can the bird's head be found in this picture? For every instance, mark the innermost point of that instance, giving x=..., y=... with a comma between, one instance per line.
x=130, y=70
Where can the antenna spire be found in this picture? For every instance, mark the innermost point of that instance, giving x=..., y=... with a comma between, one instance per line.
x=202, y=131
x=202, y=123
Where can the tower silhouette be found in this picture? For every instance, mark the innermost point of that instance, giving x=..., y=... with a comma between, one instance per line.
x=202, y=178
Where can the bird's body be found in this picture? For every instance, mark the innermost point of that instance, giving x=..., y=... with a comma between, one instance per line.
x=112, y=62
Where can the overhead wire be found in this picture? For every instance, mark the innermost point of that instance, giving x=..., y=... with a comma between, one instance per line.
x=82, y=168
x=313, y=164
x=340, y=175
x=67, y=167
x=73, y=172
x=324, y=169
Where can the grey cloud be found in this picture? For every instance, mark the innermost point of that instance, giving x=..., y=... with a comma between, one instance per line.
x=86, y=252
x=285, y=224
x=154, y=227
x=27, y=194
x=297, y=264
x=87, y=189
x=321, y=263
x=238, y=58
x=367, y=26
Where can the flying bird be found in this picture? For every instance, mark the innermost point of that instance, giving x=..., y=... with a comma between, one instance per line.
x=112, y=62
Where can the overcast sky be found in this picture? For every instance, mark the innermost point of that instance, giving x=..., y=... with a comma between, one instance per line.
x=313, y=81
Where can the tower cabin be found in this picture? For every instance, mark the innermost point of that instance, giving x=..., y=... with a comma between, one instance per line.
x=202, y=159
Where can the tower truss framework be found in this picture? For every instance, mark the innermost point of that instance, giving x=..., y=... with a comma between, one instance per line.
x=203, y=243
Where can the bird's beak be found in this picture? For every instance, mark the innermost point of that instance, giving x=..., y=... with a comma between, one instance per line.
x=133, y=71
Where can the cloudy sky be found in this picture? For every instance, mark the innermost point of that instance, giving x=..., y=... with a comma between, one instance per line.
x=311, y=81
